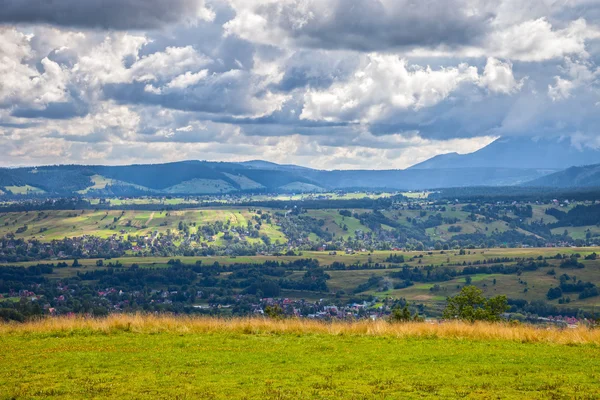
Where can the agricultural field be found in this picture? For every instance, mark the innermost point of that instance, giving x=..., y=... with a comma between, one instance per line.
x=578, y=232
x=417, y=195
x=141, y=201
x=526, y=285
x=435, y=258
x=166, y=357
x=51, y=225
x=436, y=225
x=101, y=182
x=231, y=199
x=337, y=224
x=24, y=190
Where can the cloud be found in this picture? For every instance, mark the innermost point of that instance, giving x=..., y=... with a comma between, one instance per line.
x=327, y=83
x=187, y=79
x=26, y=85
x=578, y=73
x=385, y=84
x=498, y=77
x=363, y=25
x=536, y=40
x=236, y=93
x=103, y=14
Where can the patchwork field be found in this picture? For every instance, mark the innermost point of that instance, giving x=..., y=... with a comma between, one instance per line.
x=48, y=225
x=51, y=225
x=162, y=357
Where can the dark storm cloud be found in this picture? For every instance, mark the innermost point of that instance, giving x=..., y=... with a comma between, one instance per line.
x=369, y=25
x=60, y=110
x=315, y=69
x=226, y=93
x=106, y=14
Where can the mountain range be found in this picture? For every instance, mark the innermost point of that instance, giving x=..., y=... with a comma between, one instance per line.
x=505, y=162
x=519, y=152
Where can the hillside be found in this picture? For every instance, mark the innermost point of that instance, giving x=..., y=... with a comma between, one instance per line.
x=518, y=152
x=201, y=178
x=188, y=177
x=586, y=176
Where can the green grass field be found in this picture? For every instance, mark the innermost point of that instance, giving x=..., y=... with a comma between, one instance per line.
x=26, y=189
x=258, y=361
x=436, y=258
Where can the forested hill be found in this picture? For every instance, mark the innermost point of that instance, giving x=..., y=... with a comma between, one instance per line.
x=201, y=177
x=587, y=176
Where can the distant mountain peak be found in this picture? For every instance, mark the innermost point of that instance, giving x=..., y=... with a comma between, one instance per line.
x=553, y=153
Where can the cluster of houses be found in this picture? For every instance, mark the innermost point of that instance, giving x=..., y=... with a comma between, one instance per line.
x=12, y=249
x=324, y=309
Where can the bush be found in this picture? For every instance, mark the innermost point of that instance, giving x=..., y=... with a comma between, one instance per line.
x=571, y=263
x=554, y=293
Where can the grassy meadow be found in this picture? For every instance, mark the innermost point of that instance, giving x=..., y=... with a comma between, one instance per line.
x=169, y=357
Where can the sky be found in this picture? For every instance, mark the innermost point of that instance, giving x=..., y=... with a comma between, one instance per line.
x=330, y=84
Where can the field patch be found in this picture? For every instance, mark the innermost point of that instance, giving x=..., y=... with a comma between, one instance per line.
x=301, y=187
x=125, y=358
x=201, y=186
x=101, y=183
x=244, y=182
x=24, y=190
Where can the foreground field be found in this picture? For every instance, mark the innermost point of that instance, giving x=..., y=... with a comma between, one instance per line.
x=154, y=357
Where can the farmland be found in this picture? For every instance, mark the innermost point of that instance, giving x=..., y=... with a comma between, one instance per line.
x=164, y=357
x=450, y=222
x=229, y=260
x=59, y=224
x=527, y=285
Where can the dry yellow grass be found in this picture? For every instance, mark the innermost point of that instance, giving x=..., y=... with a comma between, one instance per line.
x=193, y=325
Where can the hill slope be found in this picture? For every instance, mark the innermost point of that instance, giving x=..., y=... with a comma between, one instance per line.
x=586, y=176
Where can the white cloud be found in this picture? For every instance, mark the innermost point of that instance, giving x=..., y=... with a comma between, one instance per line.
x=171, y=62
x=187, y=79
x=561, y=89
x=498, y=77
x=22, y=83
x=382, y=85
x=104, y=63
x=536, y=40
x=577, y=74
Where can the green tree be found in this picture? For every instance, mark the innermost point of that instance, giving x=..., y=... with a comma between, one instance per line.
x=400, y=314
x=275, y=312
x=470, y=305
x=403, y=315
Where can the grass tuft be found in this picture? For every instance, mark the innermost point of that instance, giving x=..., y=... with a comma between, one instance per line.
x=153, y=324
